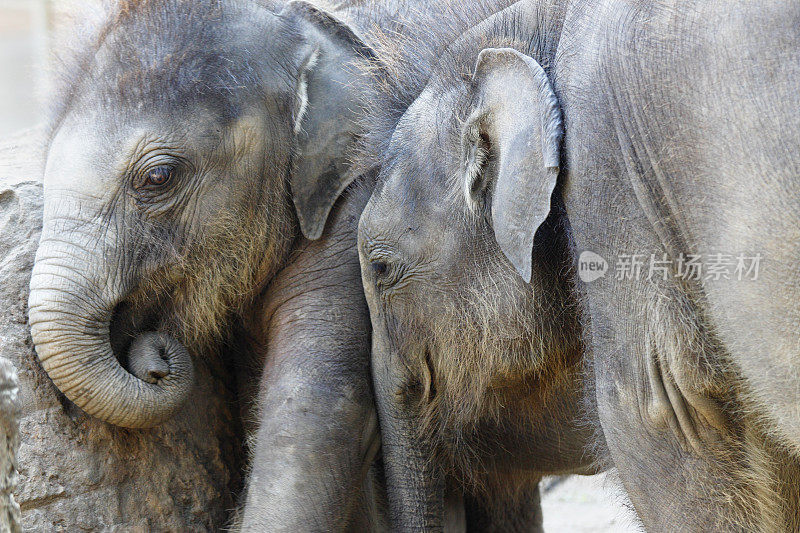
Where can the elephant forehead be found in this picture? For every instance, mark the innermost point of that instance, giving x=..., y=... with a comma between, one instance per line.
x=76, y=156
x=427, y=137
x=429, y=120
x=93, y=150
x=163, y=63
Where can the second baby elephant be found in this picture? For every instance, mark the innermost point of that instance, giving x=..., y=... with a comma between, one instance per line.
x=477, y=372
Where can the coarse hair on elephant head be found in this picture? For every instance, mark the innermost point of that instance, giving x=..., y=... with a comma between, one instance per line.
x=472, y=301
x=192, y=144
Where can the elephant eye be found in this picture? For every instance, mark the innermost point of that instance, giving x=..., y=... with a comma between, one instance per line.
x=386, y=273
x=379, y=267
x=158, y=176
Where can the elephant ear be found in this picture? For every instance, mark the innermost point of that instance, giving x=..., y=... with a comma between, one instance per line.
x=329, y=95
x=516, y=123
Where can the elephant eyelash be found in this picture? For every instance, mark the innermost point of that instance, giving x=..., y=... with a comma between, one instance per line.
x=163, y=200
x=150, y=192
x=394, y=274
x=146, y=190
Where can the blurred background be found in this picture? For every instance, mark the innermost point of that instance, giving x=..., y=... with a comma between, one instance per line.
x=27, y=30
x=24, y=51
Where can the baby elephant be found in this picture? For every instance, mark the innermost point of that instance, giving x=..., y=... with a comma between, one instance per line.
x=478, y=373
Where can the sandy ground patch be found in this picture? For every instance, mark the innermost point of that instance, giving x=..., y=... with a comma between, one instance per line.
x=581, y=504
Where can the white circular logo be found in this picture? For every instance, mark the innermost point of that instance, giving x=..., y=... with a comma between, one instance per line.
x=591, y=267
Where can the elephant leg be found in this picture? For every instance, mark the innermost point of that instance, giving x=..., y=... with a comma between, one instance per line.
x=372, y=508
x=685, y=452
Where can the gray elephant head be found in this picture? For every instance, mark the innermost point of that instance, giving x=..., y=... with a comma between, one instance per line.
x=473, y=309
x=176, y=180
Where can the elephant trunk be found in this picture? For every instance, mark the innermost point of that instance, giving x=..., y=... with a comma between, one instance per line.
x=70, y=310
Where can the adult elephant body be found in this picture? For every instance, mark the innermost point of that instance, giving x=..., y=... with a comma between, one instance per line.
x=681, y=137
x=196, y=154
x=694, y=155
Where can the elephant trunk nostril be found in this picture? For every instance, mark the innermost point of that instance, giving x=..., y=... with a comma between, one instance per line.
x=150, y=355
x=156, y=369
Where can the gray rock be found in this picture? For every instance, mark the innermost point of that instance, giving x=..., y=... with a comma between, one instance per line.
x=77, y=473
x=9, y=443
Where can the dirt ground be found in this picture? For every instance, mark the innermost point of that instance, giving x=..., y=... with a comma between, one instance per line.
x=580, y=504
